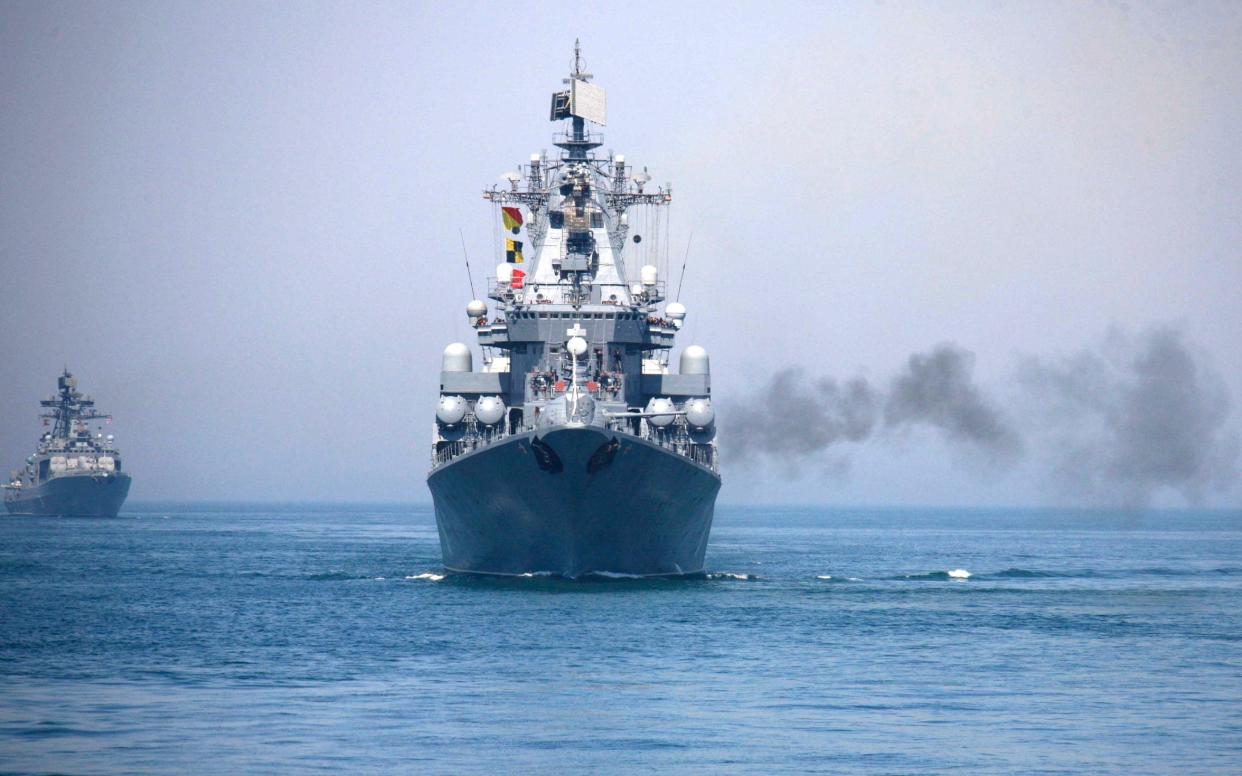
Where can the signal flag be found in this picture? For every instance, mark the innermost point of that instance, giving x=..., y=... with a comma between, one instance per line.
x=513, y=219
x=513, y=251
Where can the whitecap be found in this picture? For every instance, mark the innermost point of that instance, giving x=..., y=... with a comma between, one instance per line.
x=731, y=575
x=959, y=574
x=427, y=575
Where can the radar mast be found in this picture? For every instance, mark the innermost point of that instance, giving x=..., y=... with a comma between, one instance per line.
x=69, y=407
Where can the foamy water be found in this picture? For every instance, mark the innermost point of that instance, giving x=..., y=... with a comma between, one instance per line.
x=427, y=576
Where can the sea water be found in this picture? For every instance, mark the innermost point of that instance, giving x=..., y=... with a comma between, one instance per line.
x=227, y=639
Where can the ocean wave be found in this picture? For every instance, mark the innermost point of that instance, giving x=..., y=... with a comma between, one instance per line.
x=732, y=575
x=333, y=576
x=831, y=578
x=1150, y=571
x=426, y=575
x=955, y=574
x=1164, y=571
x=1021, y=573
x=1027, y=574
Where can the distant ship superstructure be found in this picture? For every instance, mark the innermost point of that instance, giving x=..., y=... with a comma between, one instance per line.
x=72, y=473
x=574, y=451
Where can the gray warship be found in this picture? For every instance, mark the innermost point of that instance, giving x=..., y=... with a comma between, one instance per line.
x=72, y=473
x=574, y=451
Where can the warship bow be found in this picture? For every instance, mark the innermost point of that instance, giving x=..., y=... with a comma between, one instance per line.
x=574, y=451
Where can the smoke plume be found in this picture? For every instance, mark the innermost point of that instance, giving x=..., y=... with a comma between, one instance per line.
x=937, y=389
x=794, y=416
x=1112, y=425
x=1136, y=415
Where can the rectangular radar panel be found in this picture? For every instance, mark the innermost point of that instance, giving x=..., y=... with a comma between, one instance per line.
x=587, y=101
x=560, y=106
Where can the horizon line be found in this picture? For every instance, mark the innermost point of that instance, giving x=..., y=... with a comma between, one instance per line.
x=340, y=503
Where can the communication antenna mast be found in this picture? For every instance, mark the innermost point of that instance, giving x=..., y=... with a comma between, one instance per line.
x=681, y=281
x=466, y=256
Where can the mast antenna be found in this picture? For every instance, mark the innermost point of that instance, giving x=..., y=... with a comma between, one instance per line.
x=682, y=280
x=466, y=256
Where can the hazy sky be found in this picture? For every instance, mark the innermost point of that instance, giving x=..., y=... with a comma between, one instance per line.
x=238, y=223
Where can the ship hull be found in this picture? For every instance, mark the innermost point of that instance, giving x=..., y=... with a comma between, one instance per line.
x=96, y=495
x=574, y=501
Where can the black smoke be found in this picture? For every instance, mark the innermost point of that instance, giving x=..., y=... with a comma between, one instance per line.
x=794, y=415
x=1136, y=415
x=938, y=389
x=1113, y=425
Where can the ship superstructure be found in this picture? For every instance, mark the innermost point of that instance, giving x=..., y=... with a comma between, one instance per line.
x=575, y=450
x=72, y=472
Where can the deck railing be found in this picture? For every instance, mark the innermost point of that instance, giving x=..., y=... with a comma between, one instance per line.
x=676, y=437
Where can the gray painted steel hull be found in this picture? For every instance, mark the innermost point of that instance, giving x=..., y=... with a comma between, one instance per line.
x=98, y=495
x=646, y=512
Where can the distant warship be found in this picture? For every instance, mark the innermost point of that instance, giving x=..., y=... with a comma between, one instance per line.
x=574, y=451
x=72, y=473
